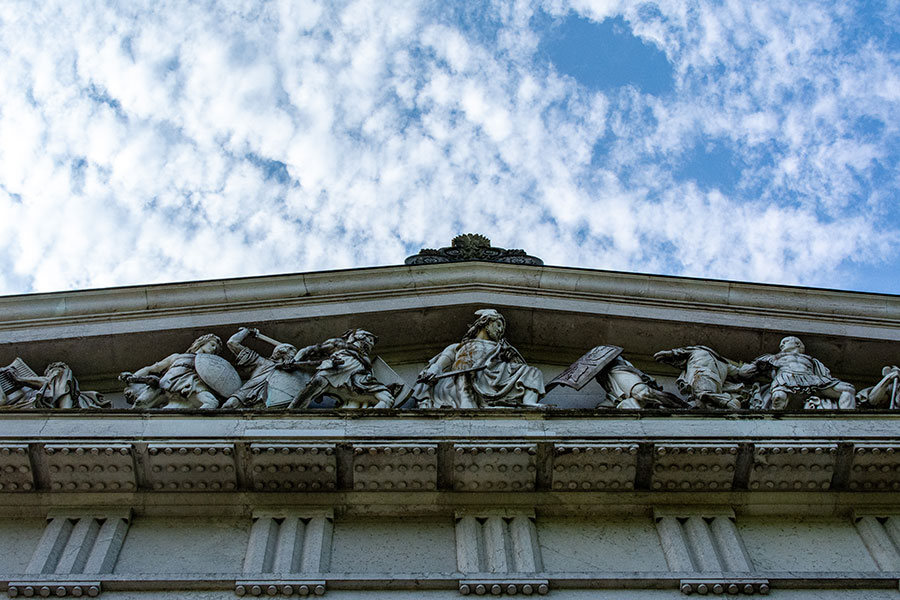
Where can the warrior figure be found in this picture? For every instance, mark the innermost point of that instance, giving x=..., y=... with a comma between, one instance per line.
x=20, y=387
x=624, y=384
x=704, y=376
x=799, y=379
x=254, y=393
x=175, y=382
x=884, y=393
x=345, y=372
x=481, y=371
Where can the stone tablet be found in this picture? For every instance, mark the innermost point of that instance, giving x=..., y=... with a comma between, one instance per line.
x=580, y=373
x=217, y=373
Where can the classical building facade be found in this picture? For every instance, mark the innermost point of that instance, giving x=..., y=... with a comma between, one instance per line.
x=658, y=494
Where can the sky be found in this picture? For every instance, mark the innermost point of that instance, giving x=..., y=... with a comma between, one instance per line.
x=145, y=142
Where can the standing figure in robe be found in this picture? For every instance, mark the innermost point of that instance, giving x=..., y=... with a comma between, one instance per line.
x=481, y=371
x=57, y=388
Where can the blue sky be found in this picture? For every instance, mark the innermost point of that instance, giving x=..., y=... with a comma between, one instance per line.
x=158, y=141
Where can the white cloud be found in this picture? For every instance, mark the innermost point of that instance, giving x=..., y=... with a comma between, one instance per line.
x=162, y=141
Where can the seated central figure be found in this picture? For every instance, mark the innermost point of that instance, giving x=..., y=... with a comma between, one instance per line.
x=481, y=371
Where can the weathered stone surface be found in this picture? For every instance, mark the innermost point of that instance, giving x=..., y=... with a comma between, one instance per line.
x=16, y=473
x=875, y=467
x=594, y=467
x=192, y=467
x=494, y=467
x=292, y=467
x=395, y=467
x=792, y=467
x=684, y=467
x=90, y=467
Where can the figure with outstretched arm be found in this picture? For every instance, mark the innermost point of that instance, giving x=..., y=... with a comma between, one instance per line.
x=254, y=393
x=797, y=378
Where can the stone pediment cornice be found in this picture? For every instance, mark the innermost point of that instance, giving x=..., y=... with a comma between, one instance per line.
x=240, y=294
x=553, y=313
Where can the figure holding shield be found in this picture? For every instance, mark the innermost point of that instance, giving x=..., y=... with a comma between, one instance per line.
x=184, y=380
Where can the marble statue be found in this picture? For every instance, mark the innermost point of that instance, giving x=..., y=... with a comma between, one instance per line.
x=706, y=378
x=884, y=393
x=270, y=383
x=624, y=384
x=481, y=371
x=20, y=387
x=799, y=380
x=345, y=371
x=197, y=378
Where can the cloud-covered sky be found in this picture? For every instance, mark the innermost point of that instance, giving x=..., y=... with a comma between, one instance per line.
x=157, y=141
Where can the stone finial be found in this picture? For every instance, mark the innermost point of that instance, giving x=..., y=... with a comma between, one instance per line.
x=472, y=246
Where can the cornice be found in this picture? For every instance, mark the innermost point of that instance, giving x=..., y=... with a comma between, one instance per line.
x=422, y=286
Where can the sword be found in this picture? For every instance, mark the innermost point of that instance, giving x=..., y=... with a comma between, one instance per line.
x=267, y=339
x=894, y=395
x=460, y=372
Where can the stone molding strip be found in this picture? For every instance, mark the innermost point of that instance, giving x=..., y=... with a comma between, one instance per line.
x=461, y=466
x=797, y=580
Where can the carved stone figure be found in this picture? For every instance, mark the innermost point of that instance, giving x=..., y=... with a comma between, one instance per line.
x=20, y=387
x=706, y=378
x=345, y=372
x=269, y=384
x=884, y=393
x=625, y=385
x=799, y=380
x=481, y=371
x=193, y=379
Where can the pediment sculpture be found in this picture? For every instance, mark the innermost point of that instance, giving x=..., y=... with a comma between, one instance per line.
x=197, y=378
x=346, y=370
x=883, y=394
x=707, y=379
x=797, y=380
x=481, y=371
x=21, y=387
x=625, y=385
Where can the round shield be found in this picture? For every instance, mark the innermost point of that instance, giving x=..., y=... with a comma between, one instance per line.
x=217, y=373
x=284, y=386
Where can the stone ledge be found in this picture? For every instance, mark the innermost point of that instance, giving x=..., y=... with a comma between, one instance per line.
x=447, y=581
x=53, y=588
x=724, y=586
x=279, y=587
x=426, y=464
x=504, y=585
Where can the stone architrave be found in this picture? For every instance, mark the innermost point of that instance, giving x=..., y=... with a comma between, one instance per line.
x=217, y=373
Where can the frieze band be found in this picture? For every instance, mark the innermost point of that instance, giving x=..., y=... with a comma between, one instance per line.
x=482, y=371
